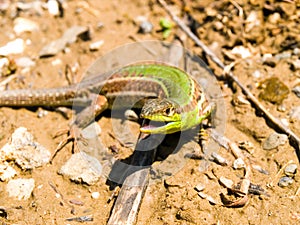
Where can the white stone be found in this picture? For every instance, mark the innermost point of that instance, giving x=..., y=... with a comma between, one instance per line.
x=22, y=25
x=53, y=7
x=6, y=172
x=96, y=45
x=16, y=46
x=20, y=188
x=22, y=149
x=82, y=168
x=95, y=195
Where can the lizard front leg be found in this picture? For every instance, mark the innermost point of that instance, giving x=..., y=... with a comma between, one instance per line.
x=82, y=120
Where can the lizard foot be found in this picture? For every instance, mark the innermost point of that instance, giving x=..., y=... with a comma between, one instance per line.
x=74, y=135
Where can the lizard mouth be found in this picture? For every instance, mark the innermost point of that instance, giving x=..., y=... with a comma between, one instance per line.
x=150, y=126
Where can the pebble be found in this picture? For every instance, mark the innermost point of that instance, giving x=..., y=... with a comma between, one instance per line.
x=35, y=7
x=295, y=113
x=296, y=51
x=239, y=164
x=20, y=188
x=91, y=131
x=96, y=45
x=4, y=63
x=226, y=182
x=25, y=62
x=56, y=62
x=283, y=55
x=145, y=27
x=257, y=74
x=285, y=181
x=296, y=64
x=285, y=122
x=82, y=168
x=242, y=51
x=95, y=195
x=22, y=149
x=199, y=187
x=6, y=172
x=219, y=159
x=267, y=56
x=69, y=37
x=53, y=7
x=252, y=21
x=296, y=90
x=22, y=25
x=274, y=18
x=274, y=140
x=273, y=90
x=290, y=170
x=281, y=108
x=131, y=115
x=4, y=5
x=16, y=46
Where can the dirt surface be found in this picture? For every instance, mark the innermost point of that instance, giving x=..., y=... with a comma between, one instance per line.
x=222, y=25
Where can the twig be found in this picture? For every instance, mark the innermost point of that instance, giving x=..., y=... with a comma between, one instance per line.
x=294, y=139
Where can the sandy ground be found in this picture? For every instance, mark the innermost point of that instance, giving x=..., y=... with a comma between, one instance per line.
x=223, y=25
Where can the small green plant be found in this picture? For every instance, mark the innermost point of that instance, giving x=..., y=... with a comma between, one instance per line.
x=166, y=26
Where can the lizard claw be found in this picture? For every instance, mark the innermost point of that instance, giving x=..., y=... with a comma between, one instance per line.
x=74, y=136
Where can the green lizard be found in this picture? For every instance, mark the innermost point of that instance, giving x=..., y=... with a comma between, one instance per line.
x=172, y=96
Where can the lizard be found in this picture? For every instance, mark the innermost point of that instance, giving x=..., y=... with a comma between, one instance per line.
x=168, y=94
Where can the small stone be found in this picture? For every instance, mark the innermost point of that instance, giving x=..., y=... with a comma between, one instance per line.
x=267, y=56
x=290, y=170
x=252, y=21
x=69, y=37
x=96, y=45
x=281, y=108
x=218, y=25
x=257, y=74
x=295, y=113
x=285, y=181
x=16, y=46
x=22, y=149
x=285, y=122
x=242, y=51
x=296, y=90
x=273, y=18
x=274, y=90
x=145, y=27
x=56, y=62
x=131, y=115
x=95, y=195
x=239, y=164
x=53, y=7
x=283, y=55
x=226, y=182
x=219, y=159
x=4, y=5
x=274, y=140
x=20, y=188
x=288, y=8
x=24, y=62
x=91, y=131
x=6, y=172
x=82, y=168
x=199, y=187
x=42, y=113
x=296, y=51
x=22, y=25
x=295, y=64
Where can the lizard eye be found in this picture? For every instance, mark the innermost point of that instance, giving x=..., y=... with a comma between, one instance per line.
x=169, y=111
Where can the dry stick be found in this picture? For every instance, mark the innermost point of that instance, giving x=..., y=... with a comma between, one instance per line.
x=294, y=139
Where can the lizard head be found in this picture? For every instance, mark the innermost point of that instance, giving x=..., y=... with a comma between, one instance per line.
x=164, y=111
